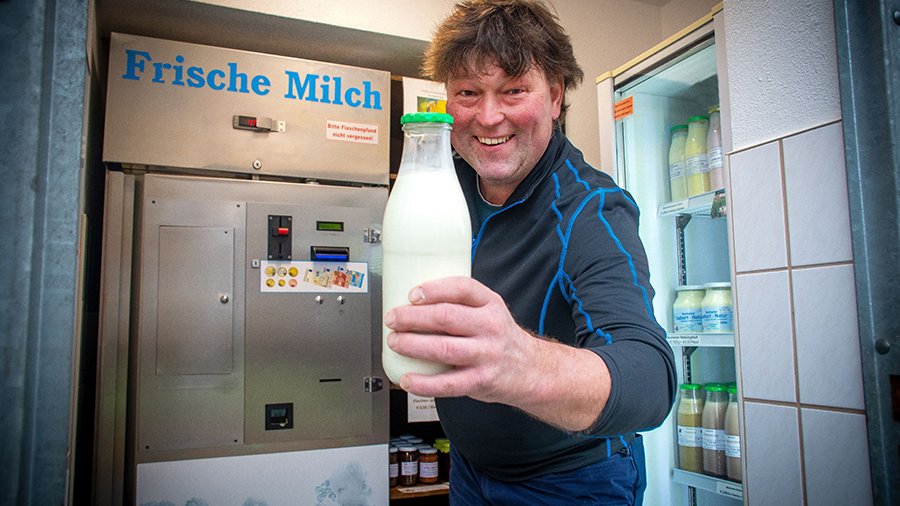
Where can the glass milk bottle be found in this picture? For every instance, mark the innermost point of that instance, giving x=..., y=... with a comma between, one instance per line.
x=714, y=429
x=426, y=230
x=677, y=179
x=696, y=165
x=732, y=436
x=714, y=150
x=690, y=428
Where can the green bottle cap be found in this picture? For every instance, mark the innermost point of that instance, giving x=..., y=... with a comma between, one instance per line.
x=426, y=117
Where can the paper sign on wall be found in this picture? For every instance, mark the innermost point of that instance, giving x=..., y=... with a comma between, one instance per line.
x=623, y=108
x=421, y=409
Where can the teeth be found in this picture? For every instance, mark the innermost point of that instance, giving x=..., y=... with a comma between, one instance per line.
x=491, y=141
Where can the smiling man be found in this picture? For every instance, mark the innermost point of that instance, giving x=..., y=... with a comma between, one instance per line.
x=558, y=358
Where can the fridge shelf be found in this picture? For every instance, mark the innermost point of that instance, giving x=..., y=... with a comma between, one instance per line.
x=720, y=486
x=720, y=340
x=698, y=205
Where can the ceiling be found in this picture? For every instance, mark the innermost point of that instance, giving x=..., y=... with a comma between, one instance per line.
x=214, y=25
x=658, y=3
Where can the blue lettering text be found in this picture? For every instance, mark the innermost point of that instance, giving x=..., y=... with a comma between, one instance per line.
x=132, y=63
x=294, y=82
x=325, y=89
x=211, y=79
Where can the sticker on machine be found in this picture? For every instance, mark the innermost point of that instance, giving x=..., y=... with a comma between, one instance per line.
x=306, y=277
x=351, y=132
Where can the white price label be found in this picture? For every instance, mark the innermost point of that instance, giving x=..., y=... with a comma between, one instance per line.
x=728, y=489
x=684, y=340
x=673, y=207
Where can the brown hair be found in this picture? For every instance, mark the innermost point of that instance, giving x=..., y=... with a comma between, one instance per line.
x=513, y=34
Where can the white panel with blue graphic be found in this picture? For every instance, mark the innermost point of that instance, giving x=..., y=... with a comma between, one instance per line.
x=355, y=476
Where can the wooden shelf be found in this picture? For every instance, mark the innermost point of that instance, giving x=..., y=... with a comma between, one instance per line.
x=440, y=488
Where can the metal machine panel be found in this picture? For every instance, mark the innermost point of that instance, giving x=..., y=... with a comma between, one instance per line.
x=179, y=105
x=225, y=354
x=190, y=338
x=310, y=348
x=194, y=330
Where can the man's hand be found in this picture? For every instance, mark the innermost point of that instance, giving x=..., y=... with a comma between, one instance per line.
x=460, y=322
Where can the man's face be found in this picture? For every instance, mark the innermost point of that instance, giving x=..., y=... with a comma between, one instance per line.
x=502, y=124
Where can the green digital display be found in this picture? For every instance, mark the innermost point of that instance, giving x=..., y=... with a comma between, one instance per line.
x=330, y=226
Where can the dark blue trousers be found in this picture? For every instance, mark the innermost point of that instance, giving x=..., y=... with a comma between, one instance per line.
x=617, y=480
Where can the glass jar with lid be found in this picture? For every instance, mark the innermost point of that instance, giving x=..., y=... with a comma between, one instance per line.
x=409, y=465
x=442, y=445
x=393, y=466
x=717, y=308
x=687, y=310
x=428, y=465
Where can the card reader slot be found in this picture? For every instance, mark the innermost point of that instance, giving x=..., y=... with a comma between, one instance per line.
x=329, y=254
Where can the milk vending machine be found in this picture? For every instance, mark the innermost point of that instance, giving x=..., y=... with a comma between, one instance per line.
x=240, y=341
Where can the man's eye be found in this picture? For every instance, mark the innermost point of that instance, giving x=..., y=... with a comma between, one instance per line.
x=515, y=91
x=466, y=93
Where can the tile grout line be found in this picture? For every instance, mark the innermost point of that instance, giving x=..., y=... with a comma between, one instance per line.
x=736, y=304
x=790, y=280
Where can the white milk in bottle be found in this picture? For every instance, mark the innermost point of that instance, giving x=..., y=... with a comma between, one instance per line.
x=427, y=233
x=677, y=175
x=696, y=166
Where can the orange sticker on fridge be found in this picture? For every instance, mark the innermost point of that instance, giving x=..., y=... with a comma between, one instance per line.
x=623, y=108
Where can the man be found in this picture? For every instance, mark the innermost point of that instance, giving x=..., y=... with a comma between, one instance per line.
x=557, y=356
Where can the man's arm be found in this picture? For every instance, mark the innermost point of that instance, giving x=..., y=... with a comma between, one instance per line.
x=461, y=322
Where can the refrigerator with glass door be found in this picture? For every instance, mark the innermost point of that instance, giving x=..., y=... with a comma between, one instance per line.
x=674, y=88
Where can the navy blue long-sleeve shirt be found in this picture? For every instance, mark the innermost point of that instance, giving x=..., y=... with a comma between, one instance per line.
x=565, y=255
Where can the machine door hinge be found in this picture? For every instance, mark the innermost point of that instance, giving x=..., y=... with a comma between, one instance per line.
x=372, y=235
x=373, y=384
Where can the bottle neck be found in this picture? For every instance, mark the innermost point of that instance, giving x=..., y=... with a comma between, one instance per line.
x=426, y=147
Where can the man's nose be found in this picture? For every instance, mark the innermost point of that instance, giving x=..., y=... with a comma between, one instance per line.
x=490, y=111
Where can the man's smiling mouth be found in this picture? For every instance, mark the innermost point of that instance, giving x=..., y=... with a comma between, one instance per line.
x=493, y=141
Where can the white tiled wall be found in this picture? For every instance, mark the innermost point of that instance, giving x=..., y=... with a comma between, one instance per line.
x=816, y=192
x=764, y=320
x=797, y=334
x=834, y=443
x=758, y=209
x=773, y=454
x=828, y=361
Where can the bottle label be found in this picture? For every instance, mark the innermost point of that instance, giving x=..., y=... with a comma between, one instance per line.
x=717, y=319
x=714, y=439
x=714, y=158
x=393, y=469
x=690, y=436
x=696, y=164
x=676, y=170
x=733, y=446
x=688, y=320
x=428, y=469
x=409, y=468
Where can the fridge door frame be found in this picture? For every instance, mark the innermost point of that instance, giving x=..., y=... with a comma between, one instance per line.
x=610, y=138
